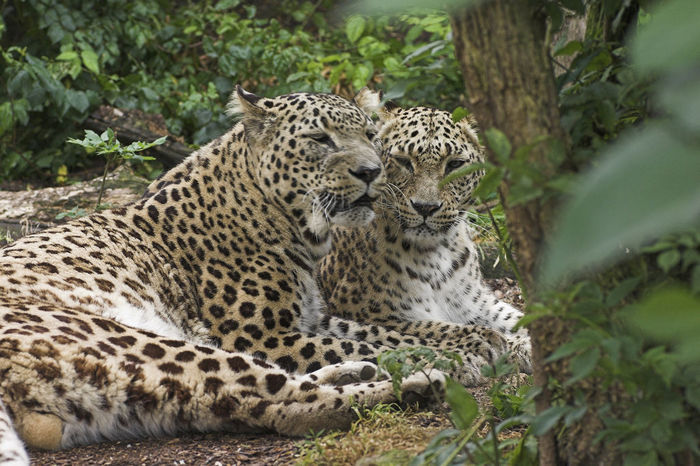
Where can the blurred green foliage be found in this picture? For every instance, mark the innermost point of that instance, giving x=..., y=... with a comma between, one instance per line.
x=60, y=60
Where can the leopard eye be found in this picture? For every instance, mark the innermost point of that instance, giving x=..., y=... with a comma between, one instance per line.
x=405, y=162
x=453, y=165
x=370, y=134
x=322, y=138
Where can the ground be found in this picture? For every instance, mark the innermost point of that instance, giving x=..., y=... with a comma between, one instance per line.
x=209, y=449
x=391, y=438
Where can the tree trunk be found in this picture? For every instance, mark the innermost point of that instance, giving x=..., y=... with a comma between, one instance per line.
x=509, y=81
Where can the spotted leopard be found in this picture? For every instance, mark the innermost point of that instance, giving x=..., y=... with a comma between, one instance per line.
x=196, y=307
x=416, y=262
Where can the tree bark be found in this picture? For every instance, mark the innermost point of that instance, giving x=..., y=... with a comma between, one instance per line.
x=509, y=81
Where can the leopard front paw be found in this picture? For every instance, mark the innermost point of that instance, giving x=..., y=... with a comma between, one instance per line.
x=520, y=353
x=345, y=373
x=423, y=389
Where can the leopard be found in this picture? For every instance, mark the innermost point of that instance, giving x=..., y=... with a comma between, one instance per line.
x=416, y=263
x=196, y=308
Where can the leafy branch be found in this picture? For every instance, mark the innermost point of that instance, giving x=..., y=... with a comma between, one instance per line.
x=107, y=145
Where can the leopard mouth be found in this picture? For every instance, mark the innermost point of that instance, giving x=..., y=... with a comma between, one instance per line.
x=425, y=229
x=421, y=229
x=342, y=205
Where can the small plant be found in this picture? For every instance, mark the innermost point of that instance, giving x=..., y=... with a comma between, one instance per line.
x=108, y=145
x=75, y=212
x=6, y=237
x=373, y=414
x=403, y=362
x=465, y=442
x=315, y=444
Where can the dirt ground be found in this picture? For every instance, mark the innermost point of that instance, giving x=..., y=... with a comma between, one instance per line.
x=191, y=449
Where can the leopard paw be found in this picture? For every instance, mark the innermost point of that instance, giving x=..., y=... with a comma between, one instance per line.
x=345, y=373
x=423, y=389
x=43, y=431
x=520, y=353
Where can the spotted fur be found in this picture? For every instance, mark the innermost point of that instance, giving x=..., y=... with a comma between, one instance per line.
x=11, y=451
x=196, y=308
x=416, y=263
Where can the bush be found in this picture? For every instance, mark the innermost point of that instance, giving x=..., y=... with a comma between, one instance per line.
x=63, y=59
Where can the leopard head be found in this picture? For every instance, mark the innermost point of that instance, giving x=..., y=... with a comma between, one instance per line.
x=419, y=147
x=313, y=155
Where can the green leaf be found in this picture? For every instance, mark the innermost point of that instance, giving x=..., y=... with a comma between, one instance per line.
x=680, y=96
x=459, y=113
x=621, y=291
x=354, y=28
x=90, y=60
x=92, y=137
x=361, y=75
x=645, y=196
x=612, y=347
x=107, y=135
x=55, y=33
x=547, y=419
x=400, y=6
x=556, y=15
x=489, y=183
x=78, y=100
x=567, y=349
x=150, y=94
x=670, y=39
x=641, y=459
x=671, y=315
x=20, y=109
x=695, y=279
x=226, y=4
x=575, y=5
x=464, y=407
x=575, y=414
x=424, y=49
x=19, y=82
x=556, y=152
x=523, y=190
x=606, y=115
x=392, y=64
x=463, y=171
x=6, y=120
x=498, y=143
x=68, y=55
x=668, y=259
x=569, y=48
x=583, y=364
x=692, y=394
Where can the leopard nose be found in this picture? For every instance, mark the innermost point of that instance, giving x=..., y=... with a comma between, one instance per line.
x=426, y=209
x=366, y=174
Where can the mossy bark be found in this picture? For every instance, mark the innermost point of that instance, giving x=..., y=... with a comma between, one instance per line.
x=508, y=77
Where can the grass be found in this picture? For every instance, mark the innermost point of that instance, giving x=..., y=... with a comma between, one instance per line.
x=387, y=435
x=382, y=435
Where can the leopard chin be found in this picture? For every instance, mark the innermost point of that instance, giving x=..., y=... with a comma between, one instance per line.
x=359, y=216
x=425, y=235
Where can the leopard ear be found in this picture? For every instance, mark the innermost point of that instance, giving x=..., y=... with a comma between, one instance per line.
x=368, y=100
x=470, y=128
x=246, y=104
x=389, y=110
